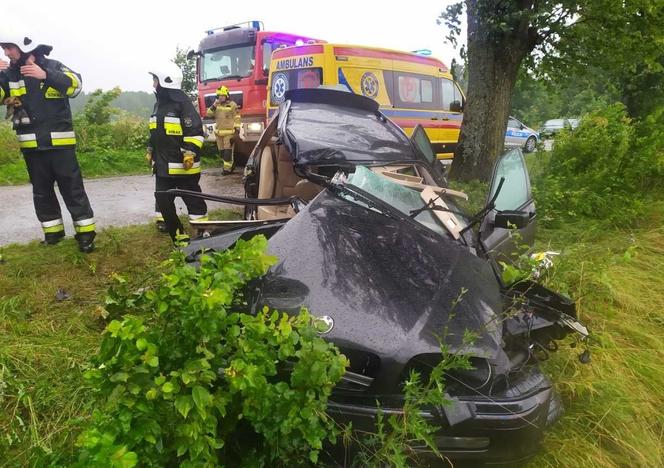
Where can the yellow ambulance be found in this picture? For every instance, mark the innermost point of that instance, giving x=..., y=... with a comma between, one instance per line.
x=410, y=88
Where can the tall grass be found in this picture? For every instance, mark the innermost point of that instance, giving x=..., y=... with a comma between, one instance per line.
x=614, y=404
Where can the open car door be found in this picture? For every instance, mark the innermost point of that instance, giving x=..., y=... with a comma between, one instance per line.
x=512, y=222
x=421, y=141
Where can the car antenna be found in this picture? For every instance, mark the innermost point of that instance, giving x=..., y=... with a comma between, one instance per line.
x=483, y=212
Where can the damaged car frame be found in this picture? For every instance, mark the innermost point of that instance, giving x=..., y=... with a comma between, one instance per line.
x=369, y=236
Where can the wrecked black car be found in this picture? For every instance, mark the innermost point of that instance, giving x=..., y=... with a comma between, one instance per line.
x=370, y=239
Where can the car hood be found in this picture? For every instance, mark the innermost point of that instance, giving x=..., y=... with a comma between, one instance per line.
x=390, y=287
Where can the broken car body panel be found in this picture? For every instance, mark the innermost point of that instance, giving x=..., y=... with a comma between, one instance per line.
x=382, y=253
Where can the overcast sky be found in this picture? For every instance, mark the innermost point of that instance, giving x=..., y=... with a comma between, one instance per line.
x=113, y=43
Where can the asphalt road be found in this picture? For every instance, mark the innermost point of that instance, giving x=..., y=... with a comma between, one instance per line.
x=116, y=201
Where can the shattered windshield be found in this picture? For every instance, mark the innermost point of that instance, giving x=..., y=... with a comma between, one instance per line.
x=402, y=198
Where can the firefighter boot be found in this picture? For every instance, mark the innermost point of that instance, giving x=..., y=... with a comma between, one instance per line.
x=86, y=241
x=52, y=238
x=227, y=158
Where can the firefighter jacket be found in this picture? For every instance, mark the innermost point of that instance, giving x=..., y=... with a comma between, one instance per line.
x=43, y=121
x=226, y=116
x=175, y=128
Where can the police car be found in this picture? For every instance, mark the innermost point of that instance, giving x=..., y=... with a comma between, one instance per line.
x=518, y=134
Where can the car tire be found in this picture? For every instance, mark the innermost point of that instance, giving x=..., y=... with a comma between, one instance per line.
x=531, y=144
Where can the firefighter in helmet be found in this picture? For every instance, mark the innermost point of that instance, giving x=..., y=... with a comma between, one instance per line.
x=227, y=119
x=36, y=91
x=176, y=138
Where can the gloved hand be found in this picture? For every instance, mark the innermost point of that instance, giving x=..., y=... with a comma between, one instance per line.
x=148, y=158
x=188, y=160
x=13, y=101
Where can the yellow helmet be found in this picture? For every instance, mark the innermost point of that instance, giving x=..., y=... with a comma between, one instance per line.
x=222, y=91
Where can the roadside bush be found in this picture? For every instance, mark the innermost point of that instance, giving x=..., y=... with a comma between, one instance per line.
x=190, y=380
x=9, y=150
x=128, y=132
x=604, y=169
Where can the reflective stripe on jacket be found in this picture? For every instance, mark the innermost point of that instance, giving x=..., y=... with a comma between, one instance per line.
x=46, y=122
x=226, y=116
x=175, y=128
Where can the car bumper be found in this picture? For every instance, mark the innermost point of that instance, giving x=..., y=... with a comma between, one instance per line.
x=497, y=431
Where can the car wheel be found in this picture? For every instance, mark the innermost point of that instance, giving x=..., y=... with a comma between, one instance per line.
x=530, y=145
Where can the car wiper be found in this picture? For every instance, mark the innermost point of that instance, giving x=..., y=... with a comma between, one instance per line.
x=223, y=78
x=484, y=211
x=431, y=206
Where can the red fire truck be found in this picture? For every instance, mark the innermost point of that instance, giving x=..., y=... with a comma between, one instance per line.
x=238, y=57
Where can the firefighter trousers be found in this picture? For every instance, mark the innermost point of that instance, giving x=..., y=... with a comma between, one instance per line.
x=47, y=167
x=196, y=207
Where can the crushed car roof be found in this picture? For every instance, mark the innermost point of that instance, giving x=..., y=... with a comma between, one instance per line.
x=329, y=127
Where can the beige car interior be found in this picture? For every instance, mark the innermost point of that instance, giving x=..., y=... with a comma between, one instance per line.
x=277, y=179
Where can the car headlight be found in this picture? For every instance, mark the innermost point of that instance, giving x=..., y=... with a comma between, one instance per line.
x=255, y=127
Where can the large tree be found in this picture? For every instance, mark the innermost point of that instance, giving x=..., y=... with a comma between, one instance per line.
x=188, y=67
x=501, y=34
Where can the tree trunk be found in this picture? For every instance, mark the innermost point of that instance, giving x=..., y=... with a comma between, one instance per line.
x=494, y=58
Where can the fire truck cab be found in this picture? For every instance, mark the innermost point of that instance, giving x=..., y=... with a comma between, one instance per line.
x=238, y=57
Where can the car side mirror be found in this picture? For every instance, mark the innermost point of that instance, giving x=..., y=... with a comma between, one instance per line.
x=455, y=106
x=509, y=219
x=191, y=54
x=522, y=126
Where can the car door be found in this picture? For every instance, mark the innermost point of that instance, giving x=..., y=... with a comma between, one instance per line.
x=421, y=141
x=514, y=199
x=514, y=133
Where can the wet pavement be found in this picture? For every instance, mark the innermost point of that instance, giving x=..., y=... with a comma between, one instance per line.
x=116, y=201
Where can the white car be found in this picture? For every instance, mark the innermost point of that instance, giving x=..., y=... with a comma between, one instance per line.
x=518, y=134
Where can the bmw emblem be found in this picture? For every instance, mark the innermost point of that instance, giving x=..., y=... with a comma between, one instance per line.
x=369, y=85
x=323, y=324
x=279, y=87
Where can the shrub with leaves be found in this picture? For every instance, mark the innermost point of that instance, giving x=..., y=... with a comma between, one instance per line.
x=603, y=169
x=190, y=380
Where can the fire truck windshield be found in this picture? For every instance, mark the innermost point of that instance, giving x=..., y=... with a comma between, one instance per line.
x=233, y=62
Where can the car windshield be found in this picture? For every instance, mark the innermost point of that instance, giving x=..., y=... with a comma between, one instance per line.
x=229, y=62
x=404, y=199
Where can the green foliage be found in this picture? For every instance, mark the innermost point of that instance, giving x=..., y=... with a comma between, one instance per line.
x=101, y=127
x=98, y=110
x=9, y=149
x=127, y=132
x=396, y=434
x=188, y=67
x=138, y=103
x=539, y=98
x=194, y=381
x=605, y=169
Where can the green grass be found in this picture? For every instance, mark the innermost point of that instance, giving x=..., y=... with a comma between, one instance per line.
x=613, y=414
x=45, y=344
x=105, y=163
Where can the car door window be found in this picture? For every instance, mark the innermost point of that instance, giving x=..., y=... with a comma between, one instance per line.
x=515, y=191
x=448, y=93
x=513, y=123
x=422, y=142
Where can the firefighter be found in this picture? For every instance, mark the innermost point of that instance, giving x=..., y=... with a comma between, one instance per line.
x=227, y=118
x=36, y=91
x=176, y=138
